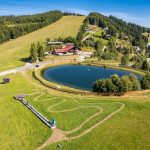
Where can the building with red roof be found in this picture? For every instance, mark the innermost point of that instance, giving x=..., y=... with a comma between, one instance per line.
x=67, y=50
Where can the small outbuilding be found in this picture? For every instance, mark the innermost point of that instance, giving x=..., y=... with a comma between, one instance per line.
x=6, y=80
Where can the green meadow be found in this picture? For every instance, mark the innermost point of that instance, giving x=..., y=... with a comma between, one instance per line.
x=88, y=122
x=14, y=51
x=75, y=115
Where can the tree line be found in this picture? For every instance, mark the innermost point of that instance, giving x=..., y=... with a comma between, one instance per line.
x=81, y=32
x=37, y=52
x=12, y=27
x=122, y=84
x=37, y=18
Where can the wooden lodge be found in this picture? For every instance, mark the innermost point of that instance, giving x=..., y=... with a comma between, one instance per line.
x=68, y=49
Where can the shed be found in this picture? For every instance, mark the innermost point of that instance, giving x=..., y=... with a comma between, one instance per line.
x=6, y=80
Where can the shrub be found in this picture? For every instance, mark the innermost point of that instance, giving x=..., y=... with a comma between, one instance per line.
x=145, y=81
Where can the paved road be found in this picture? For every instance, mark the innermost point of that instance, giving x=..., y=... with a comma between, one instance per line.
x=88, y=36
x=30, y=66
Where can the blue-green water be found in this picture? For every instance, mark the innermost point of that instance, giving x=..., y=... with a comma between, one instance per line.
x=80, y=77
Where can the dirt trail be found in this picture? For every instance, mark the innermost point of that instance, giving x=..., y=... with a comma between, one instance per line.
x=57, y=136
x=99, y=123
x=54, y=105
x=67, y=110
x=80, y=126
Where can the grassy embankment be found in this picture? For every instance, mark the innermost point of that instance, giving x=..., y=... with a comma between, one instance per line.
x=39, y=71
x=13, y=51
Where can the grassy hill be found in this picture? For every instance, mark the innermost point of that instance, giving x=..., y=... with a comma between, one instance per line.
x=13, y=51
x=19, y=128
x=146, y=34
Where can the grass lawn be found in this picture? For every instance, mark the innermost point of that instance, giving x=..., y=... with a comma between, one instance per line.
x=88, y=49
x=146, y=34
x=123, y=43
x=20, y=129
x=13, y=51
x=127, y=130
x=98, y=33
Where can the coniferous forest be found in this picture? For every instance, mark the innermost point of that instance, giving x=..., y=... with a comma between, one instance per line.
x=117, y=28
x=12, y=27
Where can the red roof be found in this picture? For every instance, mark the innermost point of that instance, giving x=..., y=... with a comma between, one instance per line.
x=64, y=50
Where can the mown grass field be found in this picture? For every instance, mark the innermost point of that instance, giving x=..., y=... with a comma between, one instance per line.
x=127, y=130
x=13, y=51
x=20, y=129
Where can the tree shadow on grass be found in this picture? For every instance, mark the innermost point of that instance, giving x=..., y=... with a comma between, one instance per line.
x=26, y=59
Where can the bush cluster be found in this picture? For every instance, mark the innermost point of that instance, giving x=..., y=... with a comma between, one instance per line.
x=121, y=84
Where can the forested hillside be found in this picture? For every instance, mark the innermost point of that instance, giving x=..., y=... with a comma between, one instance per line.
x=114, y=39
x=13, y=51
x=121, y=29
x=12, y=27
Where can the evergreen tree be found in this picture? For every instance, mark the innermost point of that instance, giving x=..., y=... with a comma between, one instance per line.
x=145, y=66
x=112, y=45
x=70, y=40
x=148, y=52
x=40, y=51
x=142, y=44
x=138, y=61
x=33, y=53
x=99, y=48
x=125, y=60
x=25, y=24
